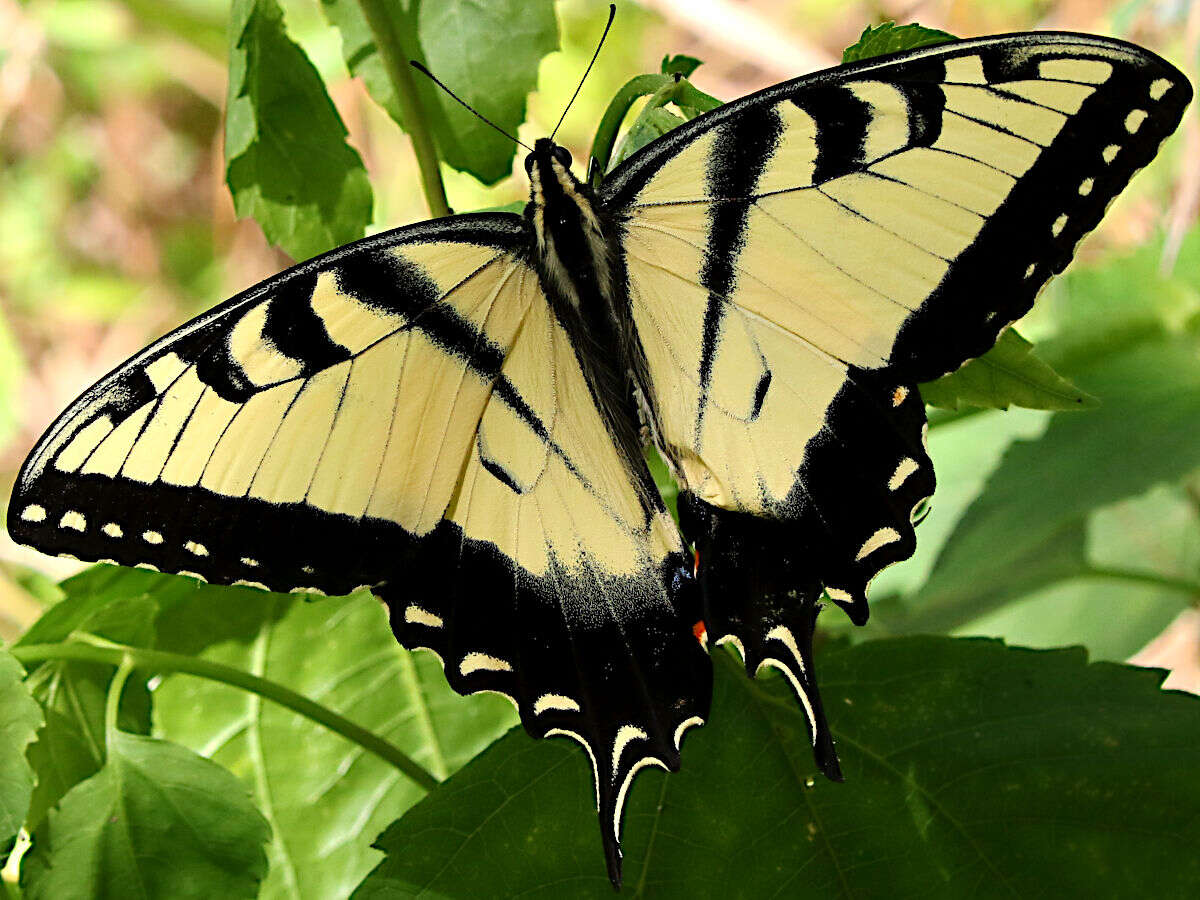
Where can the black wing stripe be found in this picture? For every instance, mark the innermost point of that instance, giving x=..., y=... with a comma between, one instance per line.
x=297, y=331
x=739, y=157
x=843, y=120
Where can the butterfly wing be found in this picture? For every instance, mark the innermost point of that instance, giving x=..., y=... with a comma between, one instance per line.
x=266, y=441
x=798, y=261
x=405, y=414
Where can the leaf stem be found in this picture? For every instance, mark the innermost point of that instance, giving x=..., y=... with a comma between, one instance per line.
x=112, y=703
x=395, y=58
x=89, y=648
x=662, y=89
x=1151, y=579
x=610, y=124
x=941, y=416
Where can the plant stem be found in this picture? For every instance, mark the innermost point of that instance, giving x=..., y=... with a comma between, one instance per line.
x=1150, y=579
x=395, y=58
x=610, y=124
x=112, y=704
x=663, y=89
x=92, y=649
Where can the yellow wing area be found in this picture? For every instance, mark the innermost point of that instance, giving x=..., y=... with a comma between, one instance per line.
x=867, y=194
x=412, y=384
x=563, y=496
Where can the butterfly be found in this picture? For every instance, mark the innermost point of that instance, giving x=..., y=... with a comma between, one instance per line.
x=454, y=414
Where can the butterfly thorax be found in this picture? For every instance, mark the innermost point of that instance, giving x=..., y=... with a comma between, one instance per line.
x=573, y=246
x=581, y=273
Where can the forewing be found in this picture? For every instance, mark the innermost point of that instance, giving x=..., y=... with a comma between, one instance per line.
x=800, y=260
x=282, y=438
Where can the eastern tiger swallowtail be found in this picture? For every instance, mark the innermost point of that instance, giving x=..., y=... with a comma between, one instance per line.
x=452, y=413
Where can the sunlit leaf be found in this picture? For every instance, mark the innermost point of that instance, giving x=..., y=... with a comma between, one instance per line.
x=327, y=798
x=1010, y=374
x=156, y=821
x=680, y=64
x=288, y=163
x=1156, y=534
x=876, y=40
x=70, y=745
x=20, y=719
x=650, y=125
x=1144, y=432
x=486, y=51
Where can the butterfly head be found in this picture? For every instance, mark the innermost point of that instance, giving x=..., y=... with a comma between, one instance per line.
x=559, y=203
x=548, y=162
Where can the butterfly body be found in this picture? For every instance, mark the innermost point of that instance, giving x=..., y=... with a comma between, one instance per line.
x=576, y=252
x=451, y=414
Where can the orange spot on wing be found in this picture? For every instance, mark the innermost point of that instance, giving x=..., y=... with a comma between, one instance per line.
x=700, y=631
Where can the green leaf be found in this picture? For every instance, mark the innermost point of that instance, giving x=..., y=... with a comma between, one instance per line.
x=130, y=606
x=680, y=64
x=1156, y=534
x=287, y=160
x=183, y=621
x=965, y=452
x=156, y=821
x=486, y=51
x=1034, y=505
x=517, y=206
x=70, y=745
x=964, y=761
x=94, y=590
x=668, y=489
x=20, y=719
x=1010, y=374
x=325, y=797
x=1099, y=310
x=876, y=40
x=651, y=124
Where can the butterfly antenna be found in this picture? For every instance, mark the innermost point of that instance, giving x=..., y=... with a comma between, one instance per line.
x=424, y=71
x=612, y=12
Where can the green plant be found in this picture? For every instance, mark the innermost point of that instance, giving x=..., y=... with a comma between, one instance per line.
x=190, y=740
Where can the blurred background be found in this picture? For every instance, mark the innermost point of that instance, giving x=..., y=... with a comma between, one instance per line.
x=116, y=225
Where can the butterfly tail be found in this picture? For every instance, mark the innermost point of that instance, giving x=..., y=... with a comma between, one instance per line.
x=756, y=598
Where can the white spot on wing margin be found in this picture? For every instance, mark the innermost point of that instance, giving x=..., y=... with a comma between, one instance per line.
x=736, y=641
x=419, y=616
x=474, y=662
x=74, y=520
x=684, y=726
x=907, y=467
x=33, y=513
x=784, y=635
x=879, y=539
x=554, y=701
